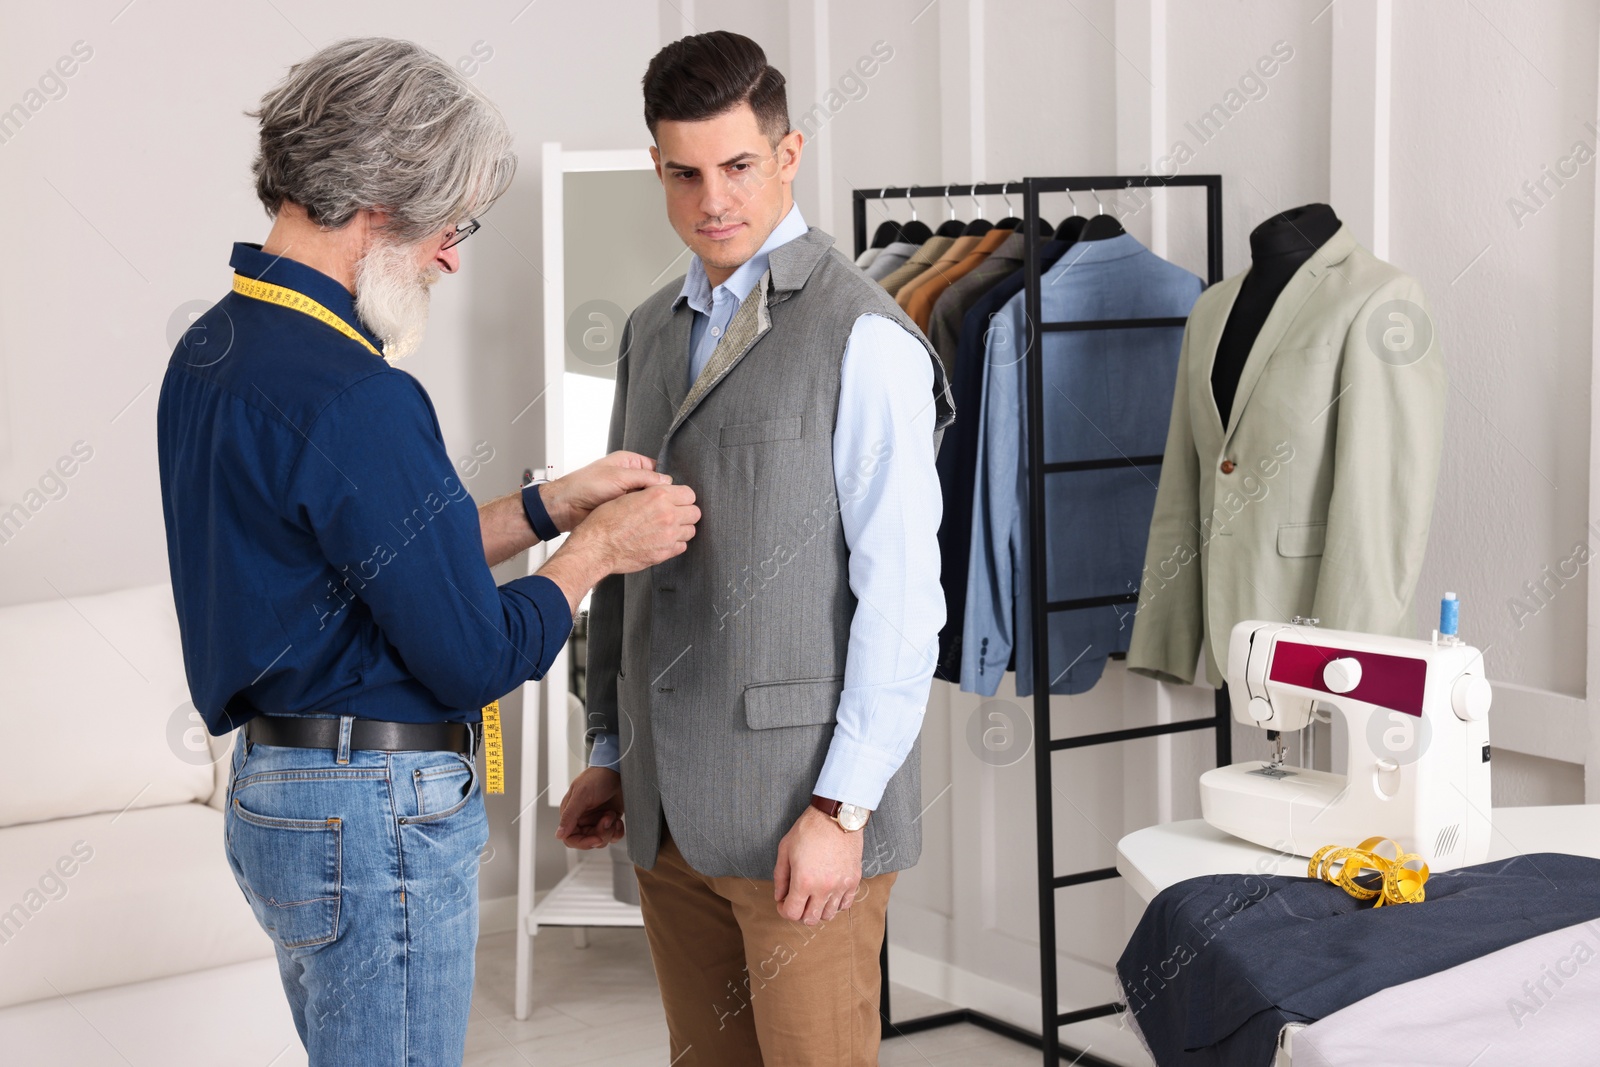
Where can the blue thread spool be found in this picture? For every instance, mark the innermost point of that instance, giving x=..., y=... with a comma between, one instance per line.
x=1449, y=615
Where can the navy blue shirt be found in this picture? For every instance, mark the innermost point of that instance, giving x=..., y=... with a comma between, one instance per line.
x=326, y=559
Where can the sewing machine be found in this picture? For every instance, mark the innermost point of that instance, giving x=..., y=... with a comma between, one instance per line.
x=1416, y=714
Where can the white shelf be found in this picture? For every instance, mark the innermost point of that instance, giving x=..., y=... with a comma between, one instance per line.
x=583, y=898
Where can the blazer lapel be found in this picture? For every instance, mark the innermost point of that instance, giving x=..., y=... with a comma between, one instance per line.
x=1207, y=335
x=673, y=355
x=1311, y=274
x=788, y=268
x=749, y=324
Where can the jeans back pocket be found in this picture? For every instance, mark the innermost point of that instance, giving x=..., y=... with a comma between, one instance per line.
x=290, y=870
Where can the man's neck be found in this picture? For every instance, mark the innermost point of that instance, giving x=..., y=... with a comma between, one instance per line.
x=333, y=252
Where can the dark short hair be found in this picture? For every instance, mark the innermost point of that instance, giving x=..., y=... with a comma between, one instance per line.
x=710, y=74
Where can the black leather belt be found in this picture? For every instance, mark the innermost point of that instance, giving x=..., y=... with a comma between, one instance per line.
x=293, y=731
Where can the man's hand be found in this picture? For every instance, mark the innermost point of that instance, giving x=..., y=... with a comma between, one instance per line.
x=819, y=869
x=632, y=532
x=570, y=498
x=640, y=529
x=591, y=812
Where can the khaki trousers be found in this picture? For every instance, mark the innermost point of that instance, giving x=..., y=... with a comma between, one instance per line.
x=745, y=987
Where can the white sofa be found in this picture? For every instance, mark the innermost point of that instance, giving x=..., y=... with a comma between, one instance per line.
x=123, y=935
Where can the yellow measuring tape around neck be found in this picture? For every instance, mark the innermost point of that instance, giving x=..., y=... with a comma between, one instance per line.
x=494, y=760
x=1401, y=884
x=277, y=294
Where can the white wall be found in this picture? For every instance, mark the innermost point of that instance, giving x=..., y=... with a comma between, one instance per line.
x=1482, y=103
x=123, y=195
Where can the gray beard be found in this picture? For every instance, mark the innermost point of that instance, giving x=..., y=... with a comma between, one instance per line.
x=392, y=297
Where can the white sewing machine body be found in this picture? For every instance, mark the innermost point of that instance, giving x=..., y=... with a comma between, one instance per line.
x=1416, y=714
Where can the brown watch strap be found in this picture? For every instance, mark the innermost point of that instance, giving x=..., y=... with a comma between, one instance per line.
x=830, y=808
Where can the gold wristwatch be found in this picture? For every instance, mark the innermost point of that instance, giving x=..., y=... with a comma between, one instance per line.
x=850, y=817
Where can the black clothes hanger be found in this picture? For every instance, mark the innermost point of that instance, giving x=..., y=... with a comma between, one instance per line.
x=1102, y=225
x=1100, y=228
x=887, y=233
x=916, y=231
x=1071, y=227
x=912, y=232
x=979, y=225
x=1010, y=222
x=951, y=227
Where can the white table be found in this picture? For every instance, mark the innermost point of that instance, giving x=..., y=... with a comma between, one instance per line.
x=1159, y=856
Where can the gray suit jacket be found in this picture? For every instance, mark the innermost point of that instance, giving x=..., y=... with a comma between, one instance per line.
x=720, y=669
x=1315, y=499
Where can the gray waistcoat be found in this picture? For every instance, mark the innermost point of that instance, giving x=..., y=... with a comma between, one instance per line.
x=721, y=669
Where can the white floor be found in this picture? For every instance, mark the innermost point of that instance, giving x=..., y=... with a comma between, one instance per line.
x=595, y=1006
x=599, y=1006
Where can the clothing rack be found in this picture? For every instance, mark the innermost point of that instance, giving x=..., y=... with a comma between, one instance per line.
x=1044, y=745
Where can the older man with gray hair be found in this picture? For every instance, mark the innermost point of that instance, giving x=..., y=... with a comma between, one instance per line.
x=330, y=570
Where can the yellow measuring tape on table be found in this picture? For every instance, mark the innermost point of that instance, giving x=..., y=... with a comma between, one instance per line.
x=283, y=297
x=494, y=757
x=1342, y=866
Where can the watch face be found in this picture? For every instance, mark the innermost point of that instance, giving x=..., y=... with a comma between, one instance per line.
x=852, y=816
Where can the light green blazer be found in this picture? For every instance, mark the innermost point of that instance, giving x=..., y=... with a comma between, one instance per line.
x=1315, y=499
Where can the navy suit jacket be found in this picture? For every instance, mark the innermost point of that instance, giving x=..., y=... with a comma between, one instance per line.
x=958, y=459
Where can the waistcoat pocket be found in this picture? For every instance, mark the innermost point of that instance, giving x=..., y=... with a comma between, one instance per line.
x=755, y=432
x=804, y=702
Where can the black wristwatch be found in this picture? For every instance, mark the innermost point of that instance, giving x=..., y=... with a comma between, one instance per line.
x=533, y=504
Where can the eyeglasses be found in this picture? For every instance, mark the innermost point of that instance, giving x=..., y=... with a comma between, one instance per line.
x=462, y=232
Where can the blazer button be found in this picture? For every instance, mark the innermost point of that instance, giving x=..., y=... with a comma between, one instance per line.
x=1227, y=466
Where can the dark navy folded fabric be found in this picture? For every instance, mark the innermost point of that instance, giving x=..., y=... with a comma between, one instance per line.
x=1218, y=964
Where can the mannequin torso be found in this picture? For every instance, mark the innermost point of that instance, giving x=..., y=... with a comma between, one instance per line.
x=1278, y=248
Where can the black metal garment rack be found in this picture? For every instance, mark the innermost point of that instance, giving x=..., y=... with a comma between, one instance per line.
x=1044, y=745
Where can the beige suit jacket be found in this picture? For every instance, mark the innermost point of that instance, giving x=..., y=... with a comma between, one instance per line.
x=1315, y=499
x=920, y=260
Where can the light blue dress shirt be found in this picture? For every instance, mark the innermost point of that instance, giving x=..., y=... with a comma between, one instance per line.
x=890, y=523
x=714, y=308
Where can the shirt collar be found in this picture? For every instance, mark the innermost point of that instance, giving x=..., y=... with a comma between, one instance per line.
x=697, y=287
x=250, y=261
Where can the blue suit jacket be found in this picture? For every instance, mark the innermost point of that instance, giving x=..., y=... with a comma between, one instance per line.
x=1106, y=394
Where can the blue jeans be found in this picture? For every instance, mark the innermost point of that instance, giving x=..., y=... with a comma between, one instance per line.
x=362, y=866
